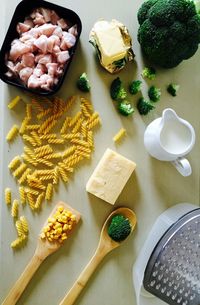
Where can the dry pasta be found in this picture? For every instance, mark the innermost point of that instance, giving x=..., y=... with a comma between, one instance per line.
x=31, y=201
x=90, y=138
x=56, y=141
x=87, y=104
x=8, y=196
x=39, y=200
x=48, y=136
x=37, y=105
x=77, y=125
x=80, y=142
x=15, y=208
x=75, y=119
x=49, y=192
x=56, y=176
x=29, y=159
x=14, y=102
x=23, y=178
x=19, y=227
x=18, y=242
x=85, y=111
x=70, y=136
x=44, y=113
x=24, y=223
x=93, y=123
x=24, y=125
x=32, y=191
x=20, y=170
x=22, y=195
x=63, y=174
x=32, y=127
x=36, y=138
x=52, y=156
x=14, y=163
x=29, y=139
x=65, y=125
x=13, y=132
x=118, y=137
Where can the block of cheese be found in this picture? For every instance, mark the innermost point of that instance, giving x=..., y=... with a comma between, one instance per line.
x=110, y=176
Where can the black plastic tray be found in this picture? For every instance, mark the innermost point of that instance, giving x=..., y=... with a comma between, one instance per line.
x=23, y=9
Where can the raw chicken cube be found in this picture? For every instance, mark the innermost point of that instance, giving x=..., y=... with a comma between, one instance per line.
x=33, y=82
x=18, y=49
x=29, y=21
x=58, y=32
x=73, y=30
x=28, y=60
x=41, y=43
x=45, y=59
x=25, y=73
x=63, y=57
x=54, y=17
x=46, y=29
x=46, y=14
x=62, y=23
x=68, y=39
x=22, y=27
x=52, y=68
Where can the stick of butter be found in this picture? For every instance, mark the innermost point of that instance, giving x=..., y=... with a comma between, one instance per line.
x=110, y=176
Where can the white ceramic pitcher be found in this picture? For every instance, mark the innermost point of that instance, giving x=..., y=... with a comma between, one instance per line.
x=170, y=138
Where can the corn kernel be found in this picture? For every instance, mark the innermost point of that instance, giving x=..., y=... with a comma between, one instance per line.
x=60, y=209
x=65, y=227
x=59, y=231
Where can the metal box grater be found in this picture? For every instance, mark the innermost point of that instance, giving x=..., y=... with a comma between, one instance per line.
x=173, y=270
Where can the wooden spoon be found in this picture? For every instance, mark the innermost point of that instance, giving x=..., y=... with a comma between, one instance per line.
x=44, y=248
x=106, y=244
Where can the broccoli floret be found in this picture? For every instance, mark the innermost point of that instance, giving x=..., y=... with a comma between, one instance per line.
x=154, y=94
x=125, y=108
x=149, y=73
x=83, y=83
x=172, y=89
x=135, y=86
x=169, y=31
x=144, y=106
x=119, y=228
x=117, y=91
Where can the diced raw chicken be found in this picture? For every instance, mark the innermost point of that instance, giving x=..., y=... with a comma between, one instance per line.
x=63, y=57
x=56, y=49
x=39, y=19
x=39, y=70
x=68, y=39
x=58, y=32
x=62, y=23
x=28, y=21
x=54, y=17
x=46, y=29
x=18, y=67
x=34, y=82
x=28, y=60
x=18, y=49
x=34, y=32
x=10, y=66
x=46, y=14
x=56, y=79
x=73, y=30
x=45, y=59
x=25, y=37
x=22, y=27
x=52, y=69
x=41, y=43
x=30, y=42
x=46, y=81
x=25, y=73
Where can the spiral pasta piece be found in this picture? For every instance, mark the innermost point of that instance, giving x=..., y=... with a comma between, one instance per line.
x=44, y=113
x=31, y=201
x=63, y=174
x=19, y=227
x=20, y=170
x=39, y=200
x=56, y=141
x=47, y=125
x=85, y=111
x=29, y=152
x=65, y=125
x=70, y=101
x=56, y=176
x=23, y=125
x=29, y=139
x=32, y=191
x=13, y=132
x=74, y=161
x=75, y=119
x=14, y=102
x=23, y=178
x=36, y=138
x=77, y=125
x=29, y=111
x=32, y=127
x=48, y=136
x=69, y=151
x=90, y=138
x=22, y=195
x=119, y=135
x=70, y=136
x=8, y=196
x=15, y=208
x=14, y=163
x=17, y=243
x=29, y=159
x=37, y=105
x=53, y=156
x=49, y=192
x=93, y=123
x=87, y=104
x=80, y=142
x=84, y=130
x=24, y=224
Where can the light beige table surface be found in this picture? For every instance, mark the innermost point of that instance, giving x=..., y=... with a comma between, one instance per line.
x=154, y=187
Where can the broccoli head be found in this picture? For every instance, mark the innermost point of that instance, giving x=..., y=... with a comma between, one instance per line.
x=119, y=228
x=117, y=92
x=144, y=106
x=83, y=83
x=135, y=86
x=169, y=31
x=154, y=94
x=149, y=73
x=125, y=108
x=172, y=89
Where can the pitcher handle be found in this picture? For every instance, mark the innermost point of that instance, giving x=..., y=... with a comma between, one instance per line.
x=183, y=166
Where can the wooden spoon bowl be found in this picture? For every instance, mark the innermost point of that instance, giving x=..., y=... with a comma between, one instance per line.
x=106, y=244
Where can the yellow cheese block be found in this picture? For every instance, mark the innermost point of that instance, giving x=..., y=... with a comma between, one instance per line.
x=110, y=43
x=110, y=176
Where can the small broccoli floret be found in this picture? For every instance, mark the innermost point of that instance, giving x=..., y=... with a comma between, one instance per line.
x=117, y=91
x=119, y=228
x=149, y=73
x=125, y=108
x=83, y=83
x=135, y=86
x=144, y=106
x=154, y=94
x=172, y=89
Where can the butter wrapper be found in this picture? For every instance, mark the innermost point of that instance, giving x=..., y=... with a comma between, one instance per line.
x=113, y=44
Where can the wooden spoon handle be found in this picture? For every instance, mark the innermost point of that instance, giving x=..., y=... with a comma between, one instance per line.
x=83, y=278
x=23, y=281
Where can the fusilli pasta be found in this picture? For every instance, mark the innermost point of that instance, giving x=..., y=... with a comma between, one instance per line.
x=14, y=163
x=22, y=195
x=24, y=223
x=39, y=200
x=14, y=102
x=118, y=137
x=8, y=196
x=20, y=170
x=49, y=192
x=15, y=208
x=13, y=132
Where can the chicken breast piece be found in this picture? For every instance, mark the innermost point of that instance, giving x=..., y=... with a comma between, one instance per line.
x=46, y=13
x=62, y=23
x=68, y=39
x=28, y=60
x=63, y=57
x=25, y=73
x=45, y=59
x=34, y=82
x=41, y=43
x=22, y=27
x=18, y=49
